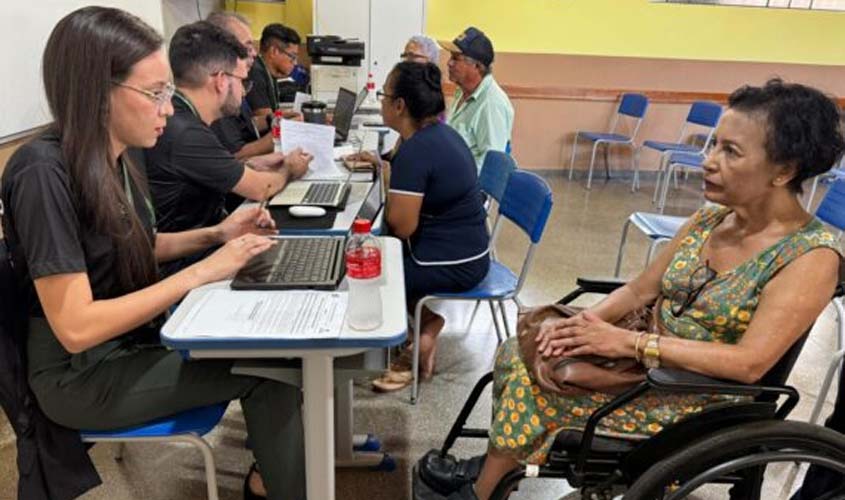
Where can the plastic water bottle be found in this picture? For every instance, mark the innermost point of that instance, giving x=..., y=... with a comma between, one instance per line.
x=363, y=273
x=276, y=130
x=371, y=98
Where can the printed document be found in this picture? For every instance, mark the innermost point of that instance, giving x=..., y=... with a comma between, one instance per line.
x=295, y=314
x=315, y=139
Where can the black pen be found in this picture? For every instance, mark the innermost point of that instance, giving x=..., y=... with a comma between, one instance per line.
x=263, y=205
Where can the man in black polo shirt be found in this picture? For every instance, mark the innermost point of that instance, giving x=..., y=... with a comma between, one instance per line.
x=239, y=133
x=189, y=170
x=279, y=51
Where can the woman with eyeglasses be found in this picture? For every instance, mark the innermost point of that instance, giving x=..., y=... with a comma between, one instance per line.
x=433, y=204
x=740, y=283
x=421, y=49
x=81, y=231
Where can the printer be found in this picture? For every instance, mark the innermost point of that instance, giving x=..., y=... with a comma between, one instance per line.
x=332, y=49
x=335, y=64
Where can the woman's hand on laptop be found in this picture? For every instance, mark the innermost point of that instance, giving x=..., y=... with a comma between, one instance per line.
x=247, y=220
x=296, y=162
x=228, y=259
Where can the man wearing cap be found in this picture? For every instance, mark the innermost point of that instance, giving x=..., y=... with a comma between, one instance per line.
x=481, y=111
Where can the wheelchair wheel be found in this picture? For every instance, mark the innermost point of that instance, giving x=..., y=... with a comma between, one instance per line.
x=735, y=451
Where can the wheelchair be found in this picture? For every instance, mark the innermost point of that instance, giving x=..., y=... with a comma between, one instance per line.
x=727, y=443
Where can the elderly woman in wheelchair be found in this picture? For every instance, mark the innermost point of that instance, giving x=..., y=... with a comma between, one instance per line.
x=733, y=294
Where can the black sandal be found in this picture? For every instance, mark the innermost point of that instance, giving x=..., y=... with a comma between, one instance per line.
x=445, y=474
x=248, y=493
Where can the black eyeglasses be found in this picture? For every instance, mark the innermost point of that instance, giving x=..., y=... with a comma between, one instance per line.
x=381, y=95
x=247, y=84
x=682, y=298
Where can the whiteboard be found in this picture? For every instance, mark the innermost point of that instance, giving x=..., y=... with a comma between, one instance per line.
x=24, y=29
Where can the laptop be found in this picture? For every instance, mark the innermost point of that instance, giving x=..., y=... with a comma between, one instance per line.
x=328, y=194
x=309, y=262
x=344, y=109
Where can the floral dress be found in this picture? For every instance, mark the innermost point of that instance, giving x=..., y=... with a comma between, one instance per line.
x=527, y=419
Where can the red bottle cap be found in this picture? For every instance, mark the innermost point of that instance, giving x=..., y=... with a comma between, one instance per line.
x=361, y=226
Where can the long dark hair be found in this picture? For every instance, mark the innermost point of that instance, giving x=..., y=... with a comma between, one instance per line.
x=87, y=51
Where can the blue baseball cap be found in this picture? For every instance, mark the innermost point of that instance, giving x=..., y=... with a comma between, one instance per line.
x=471, y=43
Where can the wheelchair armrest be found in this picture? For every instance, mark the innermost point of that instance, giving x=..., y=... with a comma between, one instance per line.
x=672, y=380
x=669, y=379
x=599, y=284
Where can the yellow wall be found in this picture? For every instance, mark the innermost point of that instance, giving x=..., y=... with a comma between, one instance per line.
x=293, y=13
x=641, y=28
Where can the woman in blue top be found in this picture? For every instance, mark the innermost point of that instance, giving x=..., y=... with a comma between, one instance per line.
x=434, y=203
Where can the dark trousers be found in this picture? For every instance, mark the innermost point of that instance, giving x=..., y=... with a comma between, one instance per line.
x=144, y=383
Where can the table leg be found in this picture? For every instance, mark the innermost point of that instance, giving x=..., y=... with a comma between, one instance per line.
x=318, y=389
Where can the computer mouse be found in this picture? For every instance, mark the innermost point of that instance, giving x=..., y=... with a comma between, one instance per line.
x=306, y=211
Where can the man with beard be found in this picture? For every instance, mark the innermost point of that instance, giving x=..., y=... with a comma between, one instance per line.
x=189, y=170
x=239, y=133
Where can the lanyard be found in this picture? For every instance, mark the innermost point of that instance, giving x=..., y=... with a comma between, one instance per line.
x=187, y=102
x=272, y=81
x=131, y=197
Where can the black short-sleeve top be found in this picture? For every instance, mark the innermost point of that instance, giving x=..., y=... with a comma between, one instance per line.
x=436, y=165
x=48, y=234
x=189, y=172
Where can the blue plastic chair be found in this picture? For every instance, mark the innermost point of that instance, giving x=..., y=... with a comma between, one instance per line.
x=831, y=211
x=187, y=427
x=701, y=114
x=631, y=105
x=527, y=202
x=836, y=173
x=658, y=228
x=675, y=161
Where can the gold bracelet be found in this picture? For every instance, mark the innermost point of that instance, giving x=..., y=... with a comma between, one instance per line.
x=651, y=351
x=637, y=347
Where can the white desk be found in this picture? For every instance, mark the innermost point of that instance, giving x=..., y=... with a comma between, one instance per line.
x=317, y=362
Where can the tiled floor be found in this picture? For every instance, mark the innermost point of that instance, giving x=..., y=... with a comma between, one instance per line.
x=581, y=239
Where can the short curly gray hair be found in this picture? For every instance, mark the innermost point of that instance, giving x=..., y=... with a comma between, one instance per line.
x=428, y=47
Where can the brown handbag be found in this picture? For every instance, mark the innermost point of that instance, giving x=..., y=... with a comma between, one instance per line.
x=574, y=376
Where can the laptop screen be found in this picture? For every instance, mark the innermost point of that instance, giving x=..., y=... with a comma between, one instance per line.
x=372, y=204
x=359, y=100
x=343, y=111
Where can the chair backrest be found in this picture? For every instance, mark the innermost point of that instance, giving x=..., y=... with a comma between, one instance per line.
x=527, y=202
x=495, y=172
x=704, y=113
x=633, y=105
x=832, y=208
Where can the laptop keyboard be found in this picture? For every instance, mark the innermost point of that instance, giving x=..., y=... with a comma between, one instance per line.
x=304, y=260
x=321, y=193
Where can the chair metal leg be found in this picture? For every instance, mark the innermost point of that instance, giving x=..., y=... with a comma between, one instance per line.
x=835, y=362
x=208, y=460
x=119, y=451
x=504, y=314
x=670, y=170
x=495, y=319
x=635, y=152
x=572, y=157
x=472, y=316
x=592, y=162
x=416, y=355
x=812, y=193
x=607, y=160
x=660, y=167
x=621, y=247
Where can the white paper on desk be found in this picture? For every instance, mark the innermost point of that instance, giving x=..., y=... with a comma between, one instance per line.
x=315, y=139
x=299, y=99
x=295, y=314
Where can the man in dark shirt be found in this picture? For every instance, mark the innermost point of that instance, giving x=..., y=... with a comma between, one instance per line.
x=279, y=51
x=239, y=133
x=189, y=170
